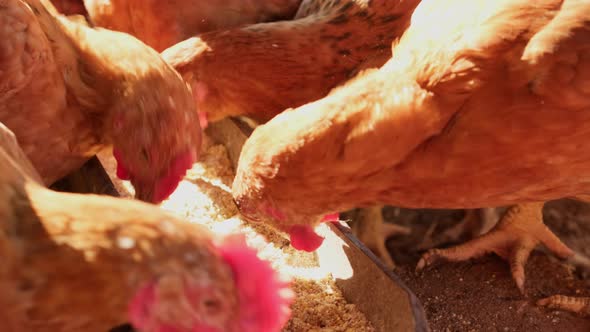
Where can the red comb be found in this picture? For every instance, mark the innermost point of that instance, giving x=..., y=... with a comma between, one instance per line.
x=303, y=237
x=264, y=298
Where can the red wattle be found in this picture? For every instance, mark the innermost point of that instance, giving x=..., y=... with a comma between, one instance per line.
x=331, y=217
x=303, y=237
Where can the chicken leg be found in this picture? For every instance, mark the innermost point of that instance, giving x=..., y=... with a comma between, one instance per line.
x=370, y=228
x=475, y=223
x=519, y=231
x=579, y=305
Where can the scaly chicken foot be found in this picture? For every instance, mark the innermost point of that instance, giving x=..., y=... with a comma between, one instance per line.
x=519, y=231
x=475, y=223
x=370, y=228
x=578, y=305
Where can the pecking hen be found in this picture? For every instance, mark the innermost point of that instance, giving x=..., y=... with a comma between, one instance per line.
x=489, y=108
x=259, y=70
x=74, y=262
x=68, y=91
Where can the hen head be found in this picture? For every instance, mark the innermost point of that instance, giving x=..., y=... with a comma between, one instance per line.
x=155, y=131
x=281, y=178
x=299, y=225
x=250, y=298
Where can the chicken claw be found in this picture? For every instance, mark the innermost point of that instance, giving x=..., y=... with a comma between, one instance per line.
x=371, y=230
x=475, y=223
x=520, y=230
x=578, y=305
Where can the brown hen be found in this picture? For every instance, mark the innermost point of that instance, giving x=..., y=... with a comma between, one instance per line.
x=69, y=91
x=484, y=109
x=88, y=263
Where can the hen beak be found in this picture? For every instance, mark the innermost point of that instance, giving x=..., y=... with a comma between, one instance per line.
x=247, y=213
x=145, y=194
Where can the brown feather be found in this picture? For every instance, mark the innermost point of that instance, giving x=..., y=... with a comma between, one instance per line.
x=260, y=70
x=162, y=24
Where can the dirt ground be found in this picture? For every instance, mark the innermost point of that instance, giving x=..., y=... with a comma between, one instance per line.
x=480, y=295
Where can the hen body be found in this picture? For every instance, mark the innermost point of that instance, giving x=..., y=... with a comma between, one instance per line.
x=489, y=109
x=162, y=24
x=259, y=70
x=68, y=91
x=88, y=263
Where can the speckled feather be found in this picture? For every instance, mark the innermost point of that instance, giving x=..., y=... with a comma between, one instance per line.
x=162, y=24
x=260, y=70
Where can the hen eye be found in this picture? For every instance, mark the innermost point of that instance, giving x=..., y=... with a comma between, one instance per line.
x=144, y=154
x=211, y=304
